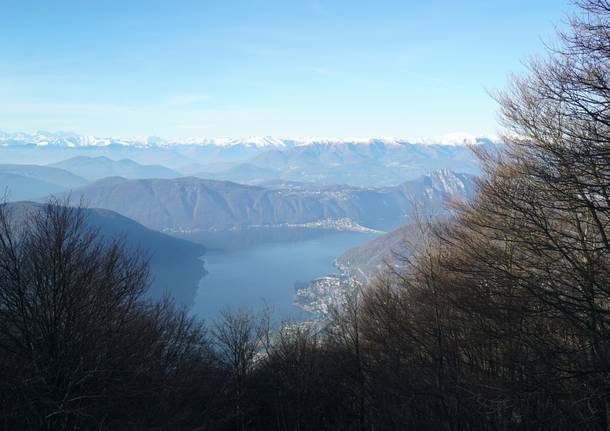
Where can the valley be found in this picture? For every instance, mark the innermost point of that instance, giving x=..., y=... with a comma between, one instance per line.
x=242, y=223
x=305, y=215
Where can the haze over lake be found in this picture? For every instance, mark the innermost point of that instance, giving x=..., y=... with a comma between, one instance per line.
x=267, y=272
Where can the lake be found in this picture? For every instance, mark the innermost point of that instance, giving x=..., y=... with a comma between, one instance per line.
x=267, y=272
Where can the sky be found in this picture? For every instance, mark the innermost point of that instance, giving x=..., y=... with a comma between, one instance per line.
x=311, y=68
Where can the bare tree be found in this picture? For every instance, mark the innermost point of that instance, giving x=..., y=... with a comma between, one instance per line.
x=80, y=346
x=238, y=337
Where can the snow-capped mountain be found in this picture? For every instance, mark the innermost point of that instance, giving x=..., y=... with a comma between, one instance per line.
x=454, y=139
x=361, y=162
x=254, y=141
x=60, y=139
x=73, y=140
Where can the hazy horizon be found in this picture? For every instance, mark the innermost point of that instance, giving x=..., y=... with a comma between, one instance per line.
x=450, y=138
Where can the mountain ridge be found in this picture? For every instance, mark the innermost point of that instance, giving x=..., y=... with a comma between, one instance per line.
x=93, y=168
x=191, y=204
x=74, y=140
x=171, y=258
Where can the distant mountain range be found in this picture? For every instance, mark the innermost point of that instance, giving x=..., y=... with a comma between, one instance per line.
x=20, y=182
x=94, y=168
x=175, y=264
x=188, y=205
x=74, y=140
x=366, y=163
x=58, y=176
x=230, y=194
x=373, y=163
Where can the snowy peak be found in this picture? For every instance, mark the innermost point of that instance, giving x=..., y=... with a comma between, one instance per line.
x=72, y=140
x=457, y=139
x=264, y=141
x=56, y=139
x=453, y=139
x=255, y=141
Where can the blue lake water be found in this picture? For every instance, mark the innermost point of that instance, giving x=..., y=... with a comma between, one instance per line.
x=267, y=273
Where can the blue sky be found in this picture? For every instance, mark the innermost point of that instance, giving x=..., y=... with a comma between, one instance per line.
x=285, y=68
